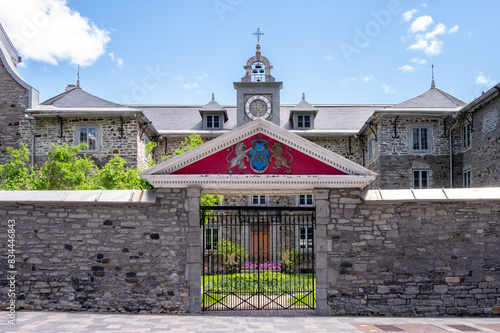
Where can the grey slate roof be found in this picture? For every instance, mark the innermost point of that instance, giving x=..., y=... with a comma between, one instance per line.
x=78, y=98
x=187, y=117
x=432, y=98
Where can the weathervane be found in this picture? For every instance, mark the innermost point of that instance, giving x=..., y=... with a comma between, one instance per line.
x=258, y=34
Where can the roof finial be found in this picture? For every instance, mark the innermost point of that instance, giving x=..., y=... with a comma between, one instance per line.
x=433, y=85
x=78, y=77
x=303, y=96
x=213, y=97
x=258, y=34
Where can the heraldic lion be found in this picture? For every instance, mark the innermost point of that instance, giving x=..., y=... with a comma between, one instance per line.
x=281, y=160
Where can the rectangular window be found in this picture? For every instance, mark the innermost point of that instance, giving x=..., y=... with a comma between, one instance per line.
x=420, y=179
x=370, y=149
x=211, y=238
x=88, y=135
x=213, y=122
x=306, y=200
x=420, y=139
x=258, y=200
x=306, y=236
x=303, y=122
x=466, y=136
x=467, y=178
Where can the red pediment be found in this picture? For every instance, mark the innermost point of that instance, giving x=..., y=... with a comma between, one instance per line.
x=259, y=154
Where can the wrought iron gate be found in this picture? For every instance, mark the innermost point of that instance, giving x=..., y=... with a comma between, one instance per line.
x=258, y=258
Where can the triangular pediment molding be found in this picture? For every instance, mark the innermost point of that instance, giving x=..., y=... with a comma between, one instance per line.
x=353, y=175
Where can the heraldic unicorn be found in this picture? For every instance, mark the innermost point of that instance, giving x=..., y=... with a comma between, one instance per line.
x=259, y=156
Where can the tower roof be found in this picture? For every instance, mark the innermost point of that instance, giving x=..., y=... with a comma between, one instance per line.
x=431, y=99
x=75, y=96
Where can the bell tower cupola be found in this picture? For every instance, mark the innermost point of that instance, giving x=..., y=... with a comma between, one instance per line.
x=258, y=93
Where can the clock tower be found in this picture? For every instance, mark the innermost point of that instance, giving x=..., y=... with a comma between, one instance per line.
x=258, y=93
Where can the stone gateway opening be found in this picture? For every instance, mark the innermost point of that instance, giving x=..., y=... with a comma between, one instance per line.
x=258, y=258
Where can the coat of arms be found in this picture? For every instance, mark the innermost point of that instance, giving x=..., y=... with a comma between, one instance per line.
x=259, y=156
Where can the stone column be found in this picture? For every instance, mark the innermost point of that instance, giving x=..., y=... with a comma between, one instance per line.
x=321, y=198
x=192, y=303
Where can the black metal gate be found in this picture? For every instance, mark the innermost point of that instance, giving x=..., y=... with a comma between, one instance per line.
x=258, y=258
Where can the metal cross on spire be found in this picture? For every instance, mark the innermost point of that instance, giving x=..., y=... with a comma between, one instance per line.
x=258, y=34
x=432, y=83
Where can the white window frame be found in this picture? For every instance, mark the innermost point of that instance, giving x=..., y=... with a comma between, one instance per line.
x=305, y=200
x=79, y=127
x=307, y=248
x=466, y=136
x=213, y=127
x=212, y=245
x=260, y=198
x=420, y=173
x=467, y=178
x=429, y=138
x=303, y=125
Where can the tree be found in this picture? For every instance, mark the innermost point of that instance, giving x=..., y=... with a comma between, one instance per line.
x=15, y=175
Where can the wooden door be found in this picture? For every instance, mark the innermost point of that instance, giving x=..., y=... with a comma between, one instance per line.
x=260, y=243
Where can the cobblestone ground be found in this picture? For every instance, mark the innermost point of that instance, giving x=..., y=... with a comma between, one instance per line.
x=72, y=322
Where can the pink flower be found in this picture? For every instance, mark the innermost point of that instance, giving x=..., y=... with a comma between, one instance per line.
x=237, y=269
x=206, y=268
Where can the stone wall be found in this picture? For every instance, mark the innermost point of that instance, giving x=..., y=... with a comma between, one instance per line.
x=409, y=259
x=419, y=258
x=131, y=148
x=13, y=101
x=100, y=257
x=485, y=146
x=394, y=161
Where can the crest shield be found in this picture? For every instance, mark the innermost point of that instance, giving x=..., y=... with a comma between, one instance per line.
x=259, y=155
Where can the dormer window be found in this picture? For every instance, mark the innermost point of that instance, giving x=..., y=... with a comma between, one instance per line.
x=212, y=121
x=303, y=121
x=258, y=72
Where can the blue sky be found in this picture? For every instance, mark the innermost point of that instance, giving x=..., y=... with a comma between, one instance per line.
x=179, y=52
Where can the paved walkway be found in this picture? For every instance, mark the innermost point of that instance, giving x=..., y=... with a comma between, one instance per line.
x=73, y=322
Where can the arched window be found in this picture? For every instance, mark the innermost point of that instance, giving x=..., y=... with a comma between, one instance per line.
x=258, y=72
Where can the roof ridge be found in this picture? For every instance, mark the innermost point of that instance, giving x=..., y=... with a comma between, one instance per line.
x=448, y=95
x=54, y=99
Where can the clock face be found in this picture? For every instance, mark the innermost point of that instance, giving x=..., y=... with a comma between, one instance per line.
x=258, y=107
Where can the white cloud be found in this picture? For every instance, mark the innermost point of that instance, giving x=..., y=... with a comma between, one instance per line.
x=421, y=23
x=49, y=31
x=432, y=47
x=349, y=79
x=190, y=85
x=419, y=61
x=118, y=61
x=328, y=57
x=408, y=15
x=178, y=78
x=440, y=29
x=470, y=33
x=423, y=4
x=388, y=90
x=454, y=29
x=204, y=76
x=406, y=68
x=368, y=78
x=483, y=80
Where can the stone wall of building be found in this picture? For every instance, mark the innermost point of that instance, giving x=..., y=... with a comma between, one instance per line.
x=485, y=146
x=100, y=257
x=394, y=161
x=340, y=145
x=48, y=130
x=14, y=100
x=410, y=259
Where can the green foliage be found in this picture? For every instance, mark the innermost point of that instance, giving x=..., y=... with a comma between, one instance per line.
x=210, y=299
x=289, y=259
x=308, y=300
x=149, y=153
x=14, y=175
x=193, y=141
x=114, y=176
x=232, y=254
x=65, y=169
x=268, y=282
